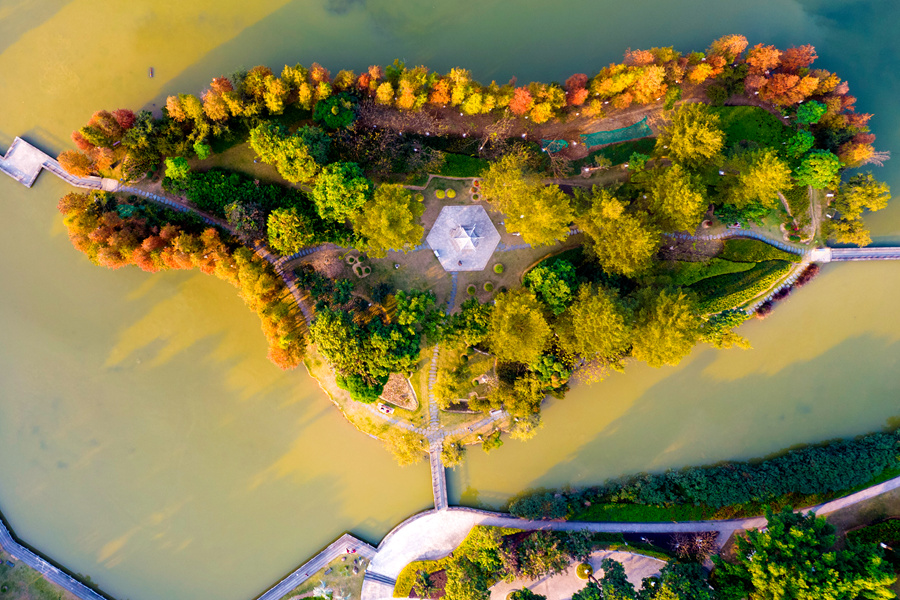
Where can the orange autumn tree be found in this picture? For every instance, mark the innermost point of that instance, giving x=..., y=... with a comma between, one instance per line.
x=117, y=236
x=76, y=163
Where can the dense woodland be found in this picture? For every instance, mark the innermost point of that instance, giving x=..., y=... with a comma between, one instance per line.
x=345, y=145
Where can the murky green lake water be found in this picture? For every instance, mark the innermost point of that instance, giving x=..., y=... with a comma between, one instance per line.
x=145, y=440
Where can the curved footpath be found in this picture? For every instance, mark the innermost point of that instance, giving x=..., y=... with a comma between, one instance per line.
x=434, y=533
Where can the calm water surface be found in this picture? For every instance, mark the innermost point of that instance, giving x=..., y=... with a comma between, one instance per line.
x=145, y=440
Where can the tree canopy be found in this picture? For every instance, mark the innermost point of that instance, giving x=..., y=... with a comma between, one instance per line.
x=289, y=231
x=288, y=153
x=676, y=199
x=819, y=168
x=756, y=177
x=541, y=214
x=554, y=284
x=795, y=557
x=596, y=326
x=624, y=241
x=390, y=220
x=518, y=331
x=341, y=190
x=693, y=137
x=666, y=327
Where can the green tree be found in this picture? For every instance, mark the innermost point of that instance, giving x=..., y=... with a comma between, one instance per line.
x=390, y=221
x=678, y=581
x=289, y=231
x=795, y=558
x=202, y=150
x=810, y=112
x=542, y=216
x=718, y=330
x=452, y=454
x=318, y=143
x=614, y=583
x=288, y=153
x=541, y=554
x=407, y=448
x=799, y=143
x=666, y=327
x=591, y=591
x=693, y=138
x=553, y=284
x=341, y=190
x=336, y=112
x=506, y=181
x=596, y=326
x=525, y=594
x=471, y=323
x=624, y=242
x=676, y=200
x=518, y=331
x=819, y=168
x=861, y=193
x=177, y=167
x=760, y=176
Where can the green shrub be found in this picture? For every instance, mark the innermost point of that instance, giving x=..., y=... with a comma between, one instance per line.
x=540, y=505
x=471, y=289
x=732, y=290
x=498, y=269
x=886, y=531
x=488, y=286
x=460, y=165
x=420, y=197
x=686, y=273
x=451, y=193
x=750, y=123
x=358, y=388
x=439, y=194
x=754, y=251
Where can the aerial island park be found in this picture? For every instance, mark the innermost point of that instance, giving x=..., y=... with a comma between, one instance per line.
x=506, y=339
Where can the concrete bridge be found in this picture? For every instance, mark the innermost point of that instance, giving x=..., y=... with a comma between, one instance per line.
x=848, y=254
x=23, y=162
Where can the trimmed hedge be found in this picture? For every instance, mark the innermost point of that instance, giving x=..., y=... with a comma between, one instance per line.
x=731, y=290
x=839, y=466
x=886, y=531
x=460, y=165
x=754, y=251
x=687, y=273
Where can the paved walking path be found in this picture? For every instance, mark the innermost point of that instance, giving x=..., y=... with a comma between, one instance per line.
x=434, y=534
x=51, y=573
x=344, y=544
x=23, y=162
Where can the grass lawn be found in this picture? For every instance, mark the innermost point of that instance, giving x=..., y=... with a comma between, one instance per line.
x=749, y=123
x=239, y=158
x=340, y=578
x=24, y=583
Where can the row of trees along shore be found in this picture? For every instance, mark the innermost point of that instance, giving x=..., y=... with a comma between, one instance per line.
x=595, y=310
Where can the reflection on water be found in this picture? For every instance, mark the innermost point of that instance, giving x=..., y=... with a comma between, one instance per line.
x=145, y=440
